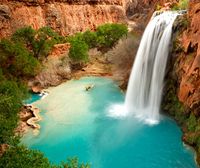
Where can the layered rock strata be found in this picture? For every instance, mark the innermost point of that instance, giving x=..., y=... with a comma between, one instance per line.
x=189, y=64
x=64, y=16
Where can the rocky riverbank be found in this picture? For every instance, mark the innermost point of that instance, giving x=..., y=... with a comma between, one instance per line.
x=29, y=116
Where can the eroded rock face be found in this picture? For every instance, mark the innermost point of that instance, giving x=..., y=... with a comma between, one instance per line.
x=64, y=16
x=189, y=65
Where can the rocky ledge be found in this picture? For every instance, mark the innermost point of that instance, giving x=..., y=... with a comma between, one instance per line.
x=29, y=116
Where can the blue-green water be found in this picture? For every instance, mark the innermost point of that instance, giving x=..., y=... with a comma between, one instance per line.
x=76, y=123
x=33, y=98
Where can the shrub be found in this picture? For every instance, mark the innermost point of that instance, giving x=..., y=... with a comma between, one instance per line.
x=16, y=60
x=38, y=42
x=108, y=34
x=24, y=35
x=6, y=52
x=90, y=38
x=1, y=75
x=105, y=37
x=20, y=156
x=192, y=122
x=181, y=5
x=79, y=50
x=73, y=163
x=10, y=103
x=45, y=39
x=123, y=53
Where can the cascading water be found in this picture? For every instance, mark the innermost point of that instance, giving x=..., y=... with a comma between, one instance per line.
x=144, y=91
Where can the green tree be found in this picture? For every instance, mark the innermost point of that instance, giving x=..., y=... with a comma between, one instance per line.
x=44, y=40
x=72, y=163
x=108, y=34
x=20, y=156
x=39, y=42
x=79, y=50
x=12, y=94
x=25, y=35
x=16, y=60
x=90, y=38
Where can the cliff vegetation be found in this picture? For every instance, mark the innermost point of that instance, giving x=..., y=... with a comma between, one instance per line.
x=22, y=58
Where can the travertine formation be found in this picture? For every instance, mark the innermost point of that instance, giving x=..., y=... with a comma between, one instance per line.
x=64, y=16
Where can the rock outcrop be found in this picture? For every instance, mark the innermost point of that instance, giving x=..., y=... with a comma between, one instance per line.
x=64, y=16
x=182, y=92
x=189, y=64
x=135, y=10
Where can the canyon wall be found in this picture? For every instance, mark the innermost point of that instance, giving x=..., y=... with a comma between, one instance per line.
x=189, y=63
x=182, y=89
x=64, y=16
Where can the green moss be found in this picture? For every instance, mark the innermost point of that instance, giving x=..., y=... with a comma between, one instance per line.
x=192, y=123
x=181, y=5
x=171, y=104
x=158, y=7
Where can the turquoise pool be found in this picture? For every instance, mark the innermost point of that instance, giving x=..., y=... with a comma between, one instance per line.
x=76, y=122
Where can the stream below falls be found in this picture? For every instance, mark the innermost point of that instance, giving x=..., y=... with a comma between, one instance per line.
x=77, y=122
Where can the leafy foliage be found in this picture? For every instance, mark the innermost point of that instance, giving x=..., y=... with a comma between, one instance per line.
x=73, y=163
x=192, y=122
x=78, y=50
x=16, y=60
x=39, y=42
x=90, y=38
x=181, y=5
x=108, y=34
x=10, y=103
x=20, y=156
x=44, y=40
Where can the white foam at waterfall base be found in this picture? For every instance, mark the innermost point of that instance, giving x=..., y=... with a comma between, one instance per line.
x=144, y=93
x=117, y=111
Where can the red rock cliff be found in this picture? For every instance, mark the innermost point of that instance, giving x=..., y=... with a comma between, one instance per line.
x=65, y=16
x=189, y=65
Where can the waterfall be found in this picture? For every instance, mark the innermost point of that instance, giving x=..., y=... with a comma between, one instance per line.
x=143, y=97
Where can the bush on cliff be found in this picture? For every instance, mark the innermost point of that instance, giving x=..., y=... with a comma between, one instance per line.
x=79, y=50
x=181, y=5
x=16, y=60
x=11, y=94
x=90, y=38
x=108, y=34
x=38, y=42
x=21, y=157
